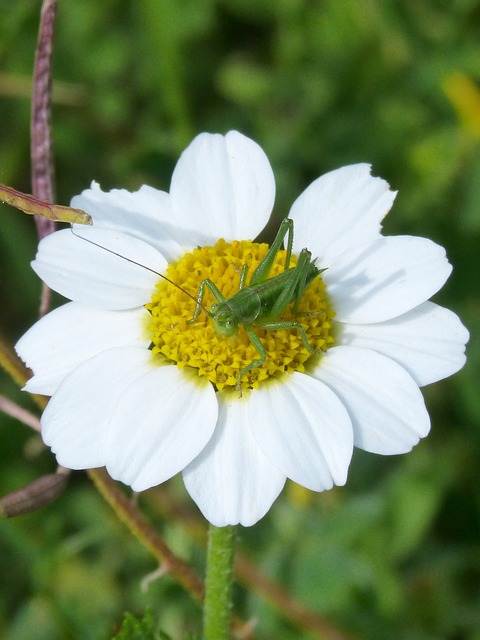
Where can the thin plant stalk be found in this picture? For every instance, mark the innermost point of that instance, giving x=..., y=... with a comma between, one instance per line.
x=217, y=608
x=41, y=147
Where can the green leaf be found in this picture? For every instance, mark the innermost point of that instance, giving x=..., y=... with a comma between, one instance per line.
x=140, y=629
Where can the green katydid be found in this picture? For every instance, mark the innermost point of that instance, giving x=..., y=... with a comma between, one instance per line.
x=264, y=300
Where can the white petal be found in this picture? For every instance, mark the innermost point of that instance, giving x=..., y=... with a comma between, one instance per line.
x=304, y=430
x=386, y=406
x=340, y=210
x=222, y=187
x=102, y=268
x=429, y=341
x=74, y=424
x=385, y=278
x=144, y=214
x=232, y=481
x=162, y=421
x=71, y=334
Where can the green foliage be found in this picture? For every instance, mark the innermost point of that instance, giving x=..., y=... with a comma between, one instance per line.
x=144, y=629
x=395, y=553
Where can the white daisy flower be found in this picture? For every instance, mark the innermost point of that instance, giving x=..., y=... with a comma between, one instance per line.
x=139, y=389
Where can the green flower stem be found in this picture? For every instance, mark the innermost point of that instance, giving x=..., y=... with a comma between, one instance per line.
x=217, y=605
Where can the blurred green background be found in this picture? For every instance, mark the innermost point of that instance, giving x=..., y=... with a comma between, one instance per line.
x=318, y=84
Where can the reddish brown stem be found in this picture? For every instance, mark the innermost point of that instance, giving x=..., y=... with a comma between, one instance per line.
x=141, y=528
x=41, y=135
x=19, y=413
x=35, y=495
x=41, y=139
x=289, y=607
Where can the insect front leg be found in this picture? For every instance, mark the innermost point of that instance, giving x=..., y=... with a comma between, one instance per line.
x=201, y=292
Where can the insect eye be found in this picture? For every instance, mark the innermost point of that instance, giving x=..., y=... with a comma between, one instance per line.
x=226, y=319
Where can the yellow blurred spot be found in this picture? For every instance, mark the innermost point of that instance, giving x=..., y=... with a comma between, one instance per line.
x=465, y=98
x=299, y=496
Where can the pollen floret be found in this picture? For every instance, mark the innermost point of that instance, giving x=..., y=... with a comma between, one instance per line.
x=220, y=358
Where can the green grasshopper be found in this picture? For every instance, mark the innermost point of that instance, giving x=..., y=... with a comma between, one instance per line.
x=264, y=300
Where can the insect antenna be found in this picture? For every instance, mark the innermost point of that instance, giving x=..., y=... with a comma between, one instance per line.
x=144, y=266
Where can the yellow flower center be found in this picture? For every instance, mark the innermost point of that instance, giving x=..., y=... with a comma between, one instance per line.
x=221, y=358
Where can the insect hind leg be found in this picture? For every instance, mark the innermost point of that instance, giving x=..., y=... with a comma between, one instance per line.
x=291, y=324
x=262, y=272
x=255, y=340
